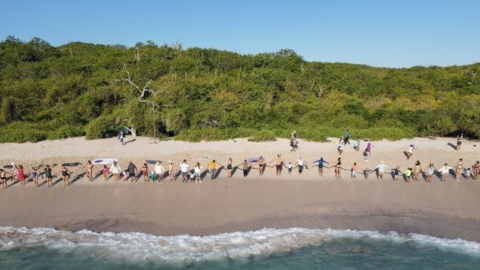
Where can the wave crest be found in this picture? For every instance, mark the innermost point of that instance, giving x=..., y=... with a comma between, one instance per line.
x=184, y=250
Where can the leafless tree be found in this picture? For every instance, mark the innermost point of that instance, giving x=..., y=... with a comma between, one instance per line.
x=143, y=91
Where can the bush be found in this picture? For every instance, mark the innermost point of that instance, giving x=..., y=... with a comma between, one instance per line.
x=66, y=132
x=99, y=126
x=22, y=132
x=263, y=136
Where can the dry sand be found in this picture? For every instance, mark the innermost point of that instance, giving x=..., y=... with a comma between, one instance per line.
x=439, y=209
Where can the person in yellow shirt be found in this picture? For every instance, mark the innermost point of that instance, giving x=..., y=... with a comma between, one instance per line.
x=212, y=166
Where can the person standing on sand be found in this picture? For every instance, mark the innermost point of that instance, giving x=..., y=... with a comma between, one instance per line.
x=115, y=170
x=89, y=172
x=396, y=173
x=346, y=137
x=121, y=137
x=476, y=169
x=459, y=141
x=458, y=169
x=212, y=166
x=354, y=171
x=261, y=166
x=444, y=171
x=321, y=163
x=48, y=175
x=416, y=170
x=408, y=174
x=171, y=170
x=356, y=145
x=14, y=172
x=229, y=168
x=341, y=146
x=3, y=177
x=35, y=176
x=381, y=169
x=105, y=173
x=430, y=170
x=132, y=171
x=159, y=170
x=21, y=175
x=66, y=176
x=368, y=151
x=245, y=166
x=145, y=172
x=300, y=164
x=184, y=170
x=294, y=135
x=278, y=164
x=410, y=151
x=198, y=173
x=338, y=168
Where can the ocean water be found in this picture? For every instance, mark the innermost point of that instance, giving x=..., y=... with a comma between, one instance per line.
x=295, y=248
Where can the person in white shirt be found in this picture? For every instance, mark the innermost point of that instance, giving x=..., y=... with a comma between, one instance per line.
x=300, y=163
x=410, y=151
x=159, y=170
x=444, y=171
x=381, y=169
x=198, y=172
x=184, y=170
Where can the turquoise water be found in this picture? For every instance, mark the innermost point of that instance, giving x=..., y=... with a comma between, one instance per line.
x=295, y=248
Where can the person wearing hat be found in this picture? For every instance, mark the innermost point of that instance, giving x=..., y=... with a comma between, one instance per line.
x=381, y=169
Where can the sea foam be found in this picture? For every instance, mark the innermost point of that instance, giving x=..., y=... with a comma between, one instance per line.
x=185, y=250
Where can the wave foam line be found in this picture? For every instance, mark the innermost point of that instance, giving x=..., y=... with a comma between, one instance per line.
x=182, y=250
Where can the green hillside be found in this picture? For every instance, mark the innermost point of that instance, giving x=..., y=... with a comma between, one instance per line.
x=80, y=89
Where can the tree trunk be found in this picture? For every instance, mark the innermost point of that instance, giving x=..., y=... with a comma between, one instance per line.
x=132, y=130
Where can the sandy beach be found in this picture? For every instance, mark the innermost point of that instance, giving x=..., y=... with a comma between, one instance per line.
x=449, y=210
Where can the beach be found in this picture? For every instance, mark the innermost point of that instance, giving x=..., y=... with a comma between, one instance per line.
x=445, y=210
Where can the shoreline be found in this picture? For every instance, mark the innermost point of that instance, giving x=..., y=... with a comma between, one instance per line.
x=445, y=210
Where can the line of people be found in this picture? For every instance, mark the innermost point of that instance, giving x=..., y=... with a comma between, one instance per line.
x=197, y=173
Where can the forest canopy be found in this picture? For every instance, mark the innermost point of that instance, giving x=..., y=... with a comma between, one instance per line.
x=82, y=89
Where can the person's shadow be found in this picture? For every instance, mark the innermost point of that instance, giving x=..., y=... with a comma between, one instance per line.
x=203, y=174
x=132, y=140
x=217, y=173
x=76, y=178
x=424, y=175
x=163, y=176
x=234, y=170
x=453, y=173
x=452, y=145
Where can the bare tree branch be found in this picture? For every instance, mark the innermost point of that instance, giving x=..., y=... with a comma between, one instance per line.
x=143, y=91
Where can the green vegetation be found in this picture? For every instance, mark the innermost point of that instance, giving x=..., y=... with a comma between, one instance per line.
x=80, y=89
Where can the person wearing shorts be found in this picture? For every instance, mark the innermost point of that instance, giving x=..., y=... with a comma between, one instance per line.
x=300, y=163
x=184, y=170
x=321, y=165
x=278, y=164
x=430, y=170
x=198, y=172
